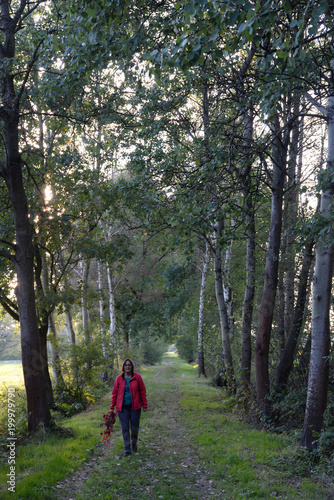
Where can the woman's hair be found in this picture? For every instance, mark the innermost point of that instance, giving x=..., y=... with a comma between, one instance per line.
x=128, y=359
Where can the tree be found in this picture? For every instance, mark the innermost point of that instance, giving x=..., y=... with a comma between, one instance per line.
x=22, y=255
x=206, y=261
x=280, y=147
x=322, y=286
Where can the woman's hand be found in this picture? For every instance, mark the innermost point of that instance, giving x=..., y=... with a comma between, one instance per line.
x=144, y=409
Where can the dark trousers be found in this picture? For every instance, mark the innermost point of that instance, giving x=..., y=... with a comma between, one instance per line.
x=129, y=417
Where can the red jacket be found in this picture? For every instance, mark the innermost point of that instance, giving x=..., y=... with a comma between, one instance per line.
x=137, y=390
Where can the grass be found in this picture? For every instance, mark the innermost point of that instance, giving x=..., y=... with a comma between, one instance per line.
x=11, y=375
x=48, y=457
x=192, y=446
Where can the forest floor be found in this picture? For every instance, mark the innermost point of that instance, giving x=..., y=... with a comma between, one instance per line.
x=192, y=445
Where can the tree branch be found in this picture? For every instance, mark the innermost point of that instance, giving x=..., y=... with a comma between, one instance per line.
x=319, y=107
x=19, y=12
x=26, y=76
x=7, y=255
x=9, y=307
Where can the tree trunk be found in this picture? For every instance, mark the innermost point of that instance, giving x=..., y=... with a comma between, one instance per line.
x=42, y=286
x=286, y=362
x=290, y=216
x=304, y=360
x=322, y=285
x=56, y=366
x=68, y=313
x=112, y=316
x=228, y=292
x=69, y=326
x=248, y=303
x=206, y=260
x=271, y=269
x=281, y=308
x=85, y=312
x=33, y=363
x=224, y=323
x=101, y=307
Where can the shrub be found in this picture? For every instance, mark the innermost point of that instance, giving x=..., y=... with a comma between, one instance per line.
x=186, y=346
x=152, y=350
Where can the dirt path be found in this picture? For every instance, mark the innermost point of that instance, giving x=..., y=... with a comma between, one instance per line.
x=166, y=466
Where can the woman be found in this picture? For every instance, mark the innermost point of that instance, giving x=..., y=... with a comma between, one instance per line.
x=129, y=396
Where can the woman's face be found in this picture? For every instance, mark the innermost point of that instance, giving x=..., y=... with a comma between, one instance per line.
x=127, y=368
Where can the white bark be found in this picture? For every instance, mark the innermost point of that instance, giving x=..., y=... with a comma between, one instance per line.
x=206, y=260
x=228, y=292
x=112, y=313
x=85, y=312
x=322, y=285
x=56, y=369
x=102, y=329
x=227, y=351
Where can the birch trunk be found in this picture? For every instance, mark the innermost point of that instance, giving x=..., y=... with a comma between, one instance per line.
x=206, y=260
x=85, y=311
x=322, y=285
x=68, y=313
x=101, y=308
x=228, y=292
x=224, y=323
x=56, y=366
x=112, y=316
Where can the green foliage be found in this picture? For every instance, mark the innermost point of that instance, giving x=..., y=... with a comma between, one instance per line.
x=21, y=427
x=10, y=345
x=186, y=346
x=326, y=440
x=82, y=367
x=48, y=456
x=152, y=350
